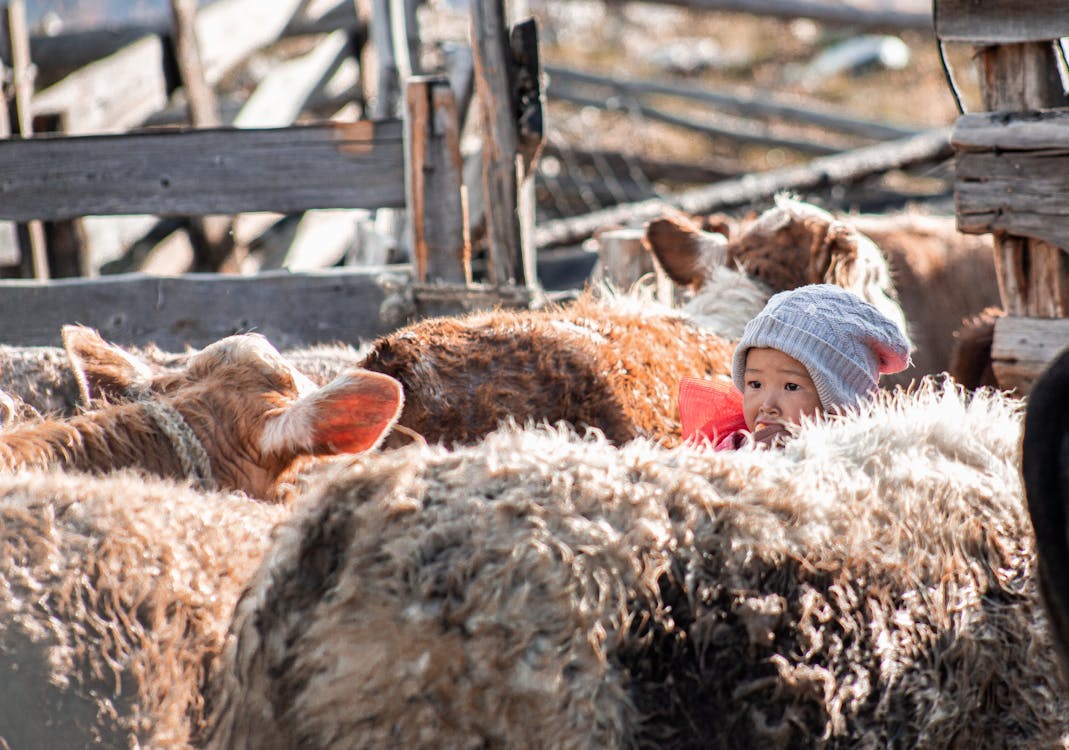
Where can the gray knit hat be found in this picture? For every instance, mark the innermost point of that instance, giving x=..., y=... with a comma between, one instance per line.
x=844, y=342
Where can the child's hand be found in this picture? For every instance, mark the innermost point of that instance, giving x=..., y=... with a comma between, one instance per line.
x=773, y=435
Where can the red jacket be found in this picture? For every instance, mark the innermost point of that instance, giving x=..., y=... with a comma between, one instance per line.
x=710, y=411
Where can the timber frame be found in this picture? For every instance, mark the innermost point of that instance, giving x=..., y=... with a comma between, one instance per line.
x=410, y=163
x=1010, y=171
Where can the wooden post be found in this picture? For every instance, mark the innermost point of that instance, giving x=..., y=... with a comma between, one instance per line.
x=210, y=235
x=9, y=236
x=22, y=70
x=388, y=87
x=1031, y=272
x=1019, y=58
x=490, y=43
x=433, y=166
x=203, y=108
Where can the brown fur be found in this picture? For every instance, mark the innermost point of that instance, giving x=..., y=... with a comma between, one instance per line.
x=609, y=365
x=970, y=359
x=942, y=276
x=226, y=394
x=115, y=595
x=869, y=586
x=938, y=275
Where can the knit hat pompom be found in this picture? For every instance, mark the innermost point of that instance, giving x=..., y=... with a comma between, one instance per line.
x=844, y=342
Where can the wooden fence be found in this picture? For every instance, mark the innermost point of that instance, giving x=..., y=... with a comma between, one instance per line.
x=410, y=163
x=1011, y=169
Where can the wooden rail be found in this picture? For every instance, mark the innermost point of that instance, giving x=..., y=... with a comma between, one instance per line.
x=204, y=171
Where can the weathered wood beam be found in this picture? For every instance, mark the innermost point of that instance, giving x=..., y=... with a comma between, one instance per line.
x=762, y=104
x=889, y=14
x=844, y=168
x=1023, y=347
x=500, y=141
x=440, y=247
x=1000, y=21
x=736, y=130
x=620, y=163
x=1022, y=77
x=290, y=309
x=194, y=172
x=110, y=95
x=60, y=54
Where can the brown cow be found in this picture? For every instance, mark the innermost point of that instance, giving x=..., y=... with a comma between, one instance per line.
x=938, y=275
x=236, y=416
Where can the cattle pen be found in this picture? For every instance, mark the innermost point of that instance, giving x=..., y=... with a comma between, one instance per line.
x=350, y=348
x=403, y=159
x=125, y=130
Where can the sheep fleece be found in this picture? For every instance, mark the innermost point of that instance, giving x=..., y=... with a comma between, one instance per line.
x=869, y=586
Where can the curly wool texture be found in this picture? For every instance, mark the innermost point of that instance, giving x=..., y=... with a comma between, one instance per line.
x=868, y=586
x=115, y=595
x=427, y=598
x=887, y=598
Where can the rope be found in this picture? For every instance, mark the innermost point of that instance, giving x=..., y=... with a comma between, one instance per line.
x=188, y=447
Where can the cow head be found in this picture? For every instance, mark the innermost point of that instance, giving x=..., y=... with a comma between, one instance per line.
x=254, y=413
x=789, y=245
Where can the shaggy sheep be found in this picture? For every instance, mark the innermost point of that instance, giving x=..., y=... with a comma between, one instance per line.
x=870, y=585
x=1045, y=468
x=115, y=595
x=235, y=416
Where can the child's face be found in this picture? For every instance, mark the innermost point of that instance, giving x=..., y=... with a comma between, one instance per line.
x=778, y=391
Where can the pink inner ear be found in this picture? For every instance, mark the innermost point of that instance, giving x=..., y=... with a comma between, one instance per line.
x=353, y=418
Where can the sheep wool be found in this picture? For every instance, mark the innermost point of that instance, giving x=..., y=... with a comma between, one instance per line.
x=115, y=596
x=869, y=586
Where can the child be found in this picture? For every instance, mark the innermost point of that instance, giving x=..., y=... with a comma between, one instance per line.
x=813, y=349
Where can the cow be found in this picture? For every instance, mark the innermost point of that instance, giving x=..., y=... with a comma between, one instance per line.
x=235, y=416
x=936, y=277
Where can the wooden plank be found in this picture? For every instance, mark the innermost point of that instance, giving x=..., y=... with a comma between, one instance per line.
x=1000, y=21
x=387, y=93
x=1030, y=130
x=1017, y=192
x=1011, y=175
x=930, y=146
x=60, y=54
x=763, y=104
x=291, y=309
x=868, y=14
x=111, y=95
x=440, y=249
x=500, y=142
x=742, y=131
x=193, y=172
x=227, y=36
x=1024, y=346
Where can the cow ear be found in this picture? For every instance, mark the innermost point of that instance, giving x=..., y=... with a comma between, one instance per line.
x=351, y=414
x=103, y=370
x=685, y=251
x=834, y=254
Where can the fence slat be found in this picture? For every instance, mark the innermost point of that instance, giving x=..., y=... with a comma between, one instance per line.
x=194, y=172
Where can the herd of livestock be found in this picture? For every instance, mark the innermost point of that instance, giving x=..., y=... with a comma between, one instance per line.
x=486, y=531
